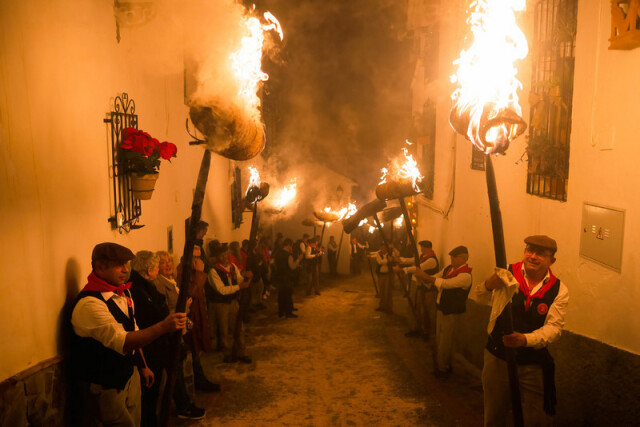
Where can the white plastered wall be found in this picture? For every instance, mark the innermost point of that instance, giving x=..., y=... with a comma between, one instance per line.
x=60, y=67
x=604, y=304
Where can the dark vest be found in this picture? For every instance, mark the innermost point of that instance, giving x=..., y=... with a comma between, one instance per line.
x=433, y=270
x=217, y=296
x=453, y=301
x=525, y=320
x=95, y=363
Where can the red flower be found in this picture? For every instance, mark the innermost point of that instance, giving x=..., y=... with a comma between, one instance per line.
x=167, y=150
x=139, y=144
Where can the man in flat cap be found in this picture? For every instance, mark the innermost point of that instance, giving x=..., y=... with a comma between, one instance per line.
x=106, y=341
x=453, y=284
x=539, y=303
x=425, y=297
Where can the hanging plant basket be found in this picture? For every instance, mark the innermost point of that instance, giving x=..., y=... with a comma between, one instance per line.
x=142, y=186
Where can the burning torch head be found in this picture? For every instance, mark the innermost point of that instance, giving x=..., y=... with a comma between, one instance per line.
x=229, y=132
x=370, y=209
x=325, y=216
x=256, y=193
x=391, y=213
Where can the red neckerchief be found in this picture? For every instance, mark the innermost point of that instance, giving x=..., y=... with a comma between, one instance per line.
x=453, y=273
x=228, y=272
x=94, y=283
x=524, y=287
x=430, y=254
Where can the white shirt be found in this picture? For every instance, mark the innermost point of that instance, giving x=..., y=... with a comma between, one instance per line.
x=91, y=318
x=554, y=321
x=462, y=280
x=309, y=253
x=428, y=264
x=383, y=261
x=216, y=282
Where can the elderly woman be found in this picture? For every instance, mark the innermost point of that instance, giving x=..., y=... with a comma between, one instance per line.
x=168, y=287
x=150, y=308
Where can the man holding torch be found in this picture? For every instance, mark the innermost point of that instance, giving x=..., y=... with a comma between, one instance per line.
x=539, y=304
x=453, y=284
x=425, y=296
x=386, y=258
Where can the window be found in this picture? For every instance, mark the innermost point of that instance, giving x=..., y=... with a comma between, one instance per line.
x=552, y=49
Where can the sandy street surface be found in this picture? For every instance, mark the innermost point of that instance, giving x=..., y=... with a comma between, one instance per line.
x=339, y=364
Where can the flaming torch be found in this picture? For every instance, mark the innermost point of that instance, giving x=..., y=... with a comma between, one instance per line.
x=233, y=129
x=358, y=218
x=486, y=111
x=401, y=180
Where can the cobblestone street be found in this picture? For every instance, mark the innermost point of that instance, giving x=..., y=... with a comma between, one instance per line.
x=340, y=363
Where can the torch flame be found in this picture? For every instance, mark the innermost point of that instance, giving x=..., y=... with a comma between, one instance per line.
x=254, y=180
x=246, y=62
x=363, y=222
x=486, y=107
x=405, y=171
x=397, y=223
x=351, y=210
x=372, y=229
x=286, y=195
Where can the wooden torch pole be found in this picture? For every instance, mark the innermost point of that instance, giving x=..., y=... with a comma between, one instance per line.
x=181, y=305
x=501, y=262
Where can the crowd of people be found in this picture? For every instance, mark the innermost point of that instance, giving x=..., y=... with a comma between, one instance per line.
x=122, y=320
x=537, y=302
x=124, y=317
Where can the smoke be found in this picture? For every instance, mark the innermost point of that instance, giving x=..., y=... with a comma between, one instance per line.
x=340, y=94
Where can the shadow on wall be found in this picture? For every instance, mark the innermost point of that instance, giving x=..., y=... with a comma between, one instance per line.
x=72, y=285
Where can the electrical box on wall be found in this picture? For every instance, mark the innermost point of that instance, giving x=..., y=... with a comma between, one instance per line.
x=601, y=235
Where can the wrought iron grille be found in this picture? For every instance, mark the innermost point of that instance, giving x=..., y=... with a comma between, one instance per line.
x=127, y=209
x=553, y=57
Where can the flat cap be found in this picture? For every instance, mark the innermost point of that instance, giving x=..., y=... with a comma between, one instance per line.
x=108, y=251
x=459, y=250
x=542, y=241
x=425, y=243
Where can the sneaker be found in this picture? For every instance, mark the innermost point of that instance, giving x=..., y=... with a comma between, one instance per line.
x=207, y=386
x=193, y=413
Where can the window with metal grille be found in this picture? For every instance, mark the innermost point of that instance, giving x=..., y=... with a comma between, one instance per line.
x=552, y=51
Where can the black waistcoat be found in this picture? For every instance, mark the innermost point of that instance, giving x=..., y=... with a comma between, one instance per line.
x=525, y=320
x=217, y=296
x=95, y=363
x=284, y=273
x=453, y=301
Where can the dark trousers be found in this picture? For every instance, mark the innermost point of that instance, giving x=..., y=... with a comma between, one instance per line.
x=150, y=399
x=333, y=263
x=285, y=298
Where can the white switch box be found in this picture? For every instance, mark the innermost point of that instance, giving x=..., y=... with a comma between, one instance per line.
x=601, y=235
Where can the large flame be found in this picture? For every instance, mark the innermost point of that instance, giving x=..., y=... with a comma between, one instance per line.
x=403, y=169
x=486, y=108
x=398, y=222
x=286, y=195
x=254, y=179
x=246, y=62
x=351, y=210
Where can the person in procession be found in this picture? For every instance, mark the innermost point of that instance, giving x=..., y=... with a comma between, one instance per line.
x=226, y=280
x=453, y=284
x=425, y=296
x=386, y=257
x=332, y=252
x=286, y=266
x=312, y=258
x=106, y=341
x=539, y=303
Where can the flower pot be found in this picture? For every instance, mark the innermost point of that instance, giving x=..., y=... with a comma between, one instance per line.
x=142, y=186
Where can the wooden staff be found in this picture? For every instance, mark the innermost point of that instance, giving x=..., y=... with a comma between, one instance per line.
x=373, y=277
x=339, y=248
x=183, y=294
x=501, y=262
x=324, y=225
